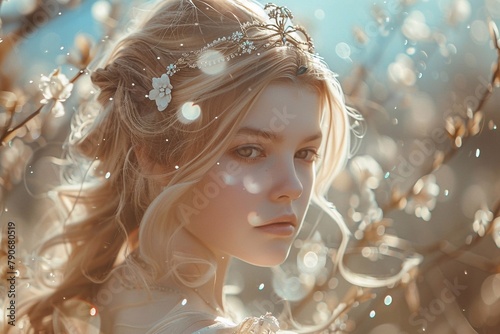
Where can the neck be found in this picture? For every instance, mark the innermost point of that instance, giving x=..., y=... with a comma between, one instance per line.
x=211, y=292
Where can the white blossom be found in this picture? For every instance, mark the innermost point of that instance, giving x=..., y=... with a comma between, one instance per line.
x=496, y=231
x=366, y=171
x=424, y=196
x=482, y=219
x=161, y=92
x=56, y=87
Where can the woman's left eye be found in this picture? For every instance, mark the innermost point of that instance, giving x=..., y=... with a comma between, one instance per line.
x=249, y=152
x=308, y=155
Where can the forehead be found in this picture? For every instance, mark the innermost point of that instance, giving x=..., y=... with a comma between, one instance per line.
x=285, y=106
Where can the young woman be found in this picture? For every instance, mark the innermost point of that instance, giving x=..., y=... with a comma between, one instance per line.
x=217, y=126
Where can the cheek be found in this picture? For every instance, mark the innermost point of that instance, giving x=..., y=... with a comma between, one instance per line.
x=224, y=200
x=219, y=183
x=225, y=214
x=230, y=199
x=256, y=183
x=232, y=178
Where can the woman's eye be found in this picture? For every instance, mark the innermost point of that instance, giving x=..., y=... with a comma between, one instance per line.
x=249, y=152
x=308, y=155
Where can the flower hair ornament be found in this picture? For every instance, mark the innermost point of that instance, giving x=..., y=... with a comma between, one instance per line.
x=239, y=43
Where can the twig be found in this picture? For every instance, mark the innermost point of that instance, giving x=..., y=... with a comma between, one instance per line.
x=457, y=252
x=394, y=203
x=7, y=134
x=460, y=250
x=5, y=137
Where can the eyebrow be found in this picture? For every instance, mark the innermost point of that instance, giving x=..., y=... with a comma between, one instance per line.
x=270, y=135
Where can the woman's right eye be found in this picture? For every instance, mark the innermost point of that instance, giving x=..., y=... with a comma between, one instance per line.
x=249, y=152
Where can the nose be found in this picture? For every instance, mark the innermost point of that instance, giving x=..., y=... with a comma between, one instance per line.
x=286, y=184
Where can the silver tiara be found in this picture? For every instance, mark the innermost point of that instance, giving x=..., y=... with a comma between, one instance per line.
x=239, y=43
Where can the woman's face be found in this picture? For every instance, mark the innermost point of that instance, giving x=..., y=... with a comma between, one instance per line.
x=253, y=201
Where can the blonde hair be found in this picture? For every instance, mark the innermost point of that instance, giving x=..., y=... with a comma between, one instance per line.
x=129, y=139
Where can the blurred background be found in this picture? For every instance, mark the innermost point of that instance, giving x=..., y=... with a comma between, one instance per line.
x=419, y=197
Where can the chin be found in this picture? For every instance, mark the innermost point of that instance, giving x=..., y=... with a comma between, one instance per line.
x=269, y=259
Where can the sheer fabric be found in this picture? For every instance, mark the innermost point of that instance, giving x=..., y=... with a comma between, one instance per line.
x=119, y=309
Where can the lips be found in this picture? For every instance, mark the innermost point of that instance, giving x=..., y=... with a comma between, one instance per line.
x=281, y=226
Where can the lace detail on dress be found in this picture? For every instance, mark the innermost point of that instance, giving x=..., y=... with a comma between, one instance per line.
x=266, y=324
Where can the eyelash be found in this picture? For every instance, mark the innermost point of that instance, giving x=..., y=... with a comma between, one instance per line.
x=315, y=156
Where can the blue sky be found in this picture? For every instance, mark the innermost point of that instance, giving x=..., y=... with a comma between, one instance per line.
x=330, y=22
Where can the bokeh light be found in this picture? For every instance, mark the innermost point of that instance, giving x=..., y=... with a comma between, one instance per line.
x=212, y=62
x=189, y=112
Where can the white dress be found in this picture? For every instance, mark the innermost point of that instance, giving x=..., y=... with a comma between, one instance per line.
x=121, y=310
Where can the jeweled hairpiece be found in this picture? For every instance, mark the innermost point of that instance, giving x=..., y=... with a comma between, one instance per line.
x=237, y=44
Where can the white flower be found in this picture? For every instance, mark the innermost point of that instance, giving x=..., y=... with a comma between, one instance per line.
x=424, y=196
x=55, y=87
x=366, y=171
x=58, y=109
x=496, y=231
x=161, y=92
x=482, y=219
